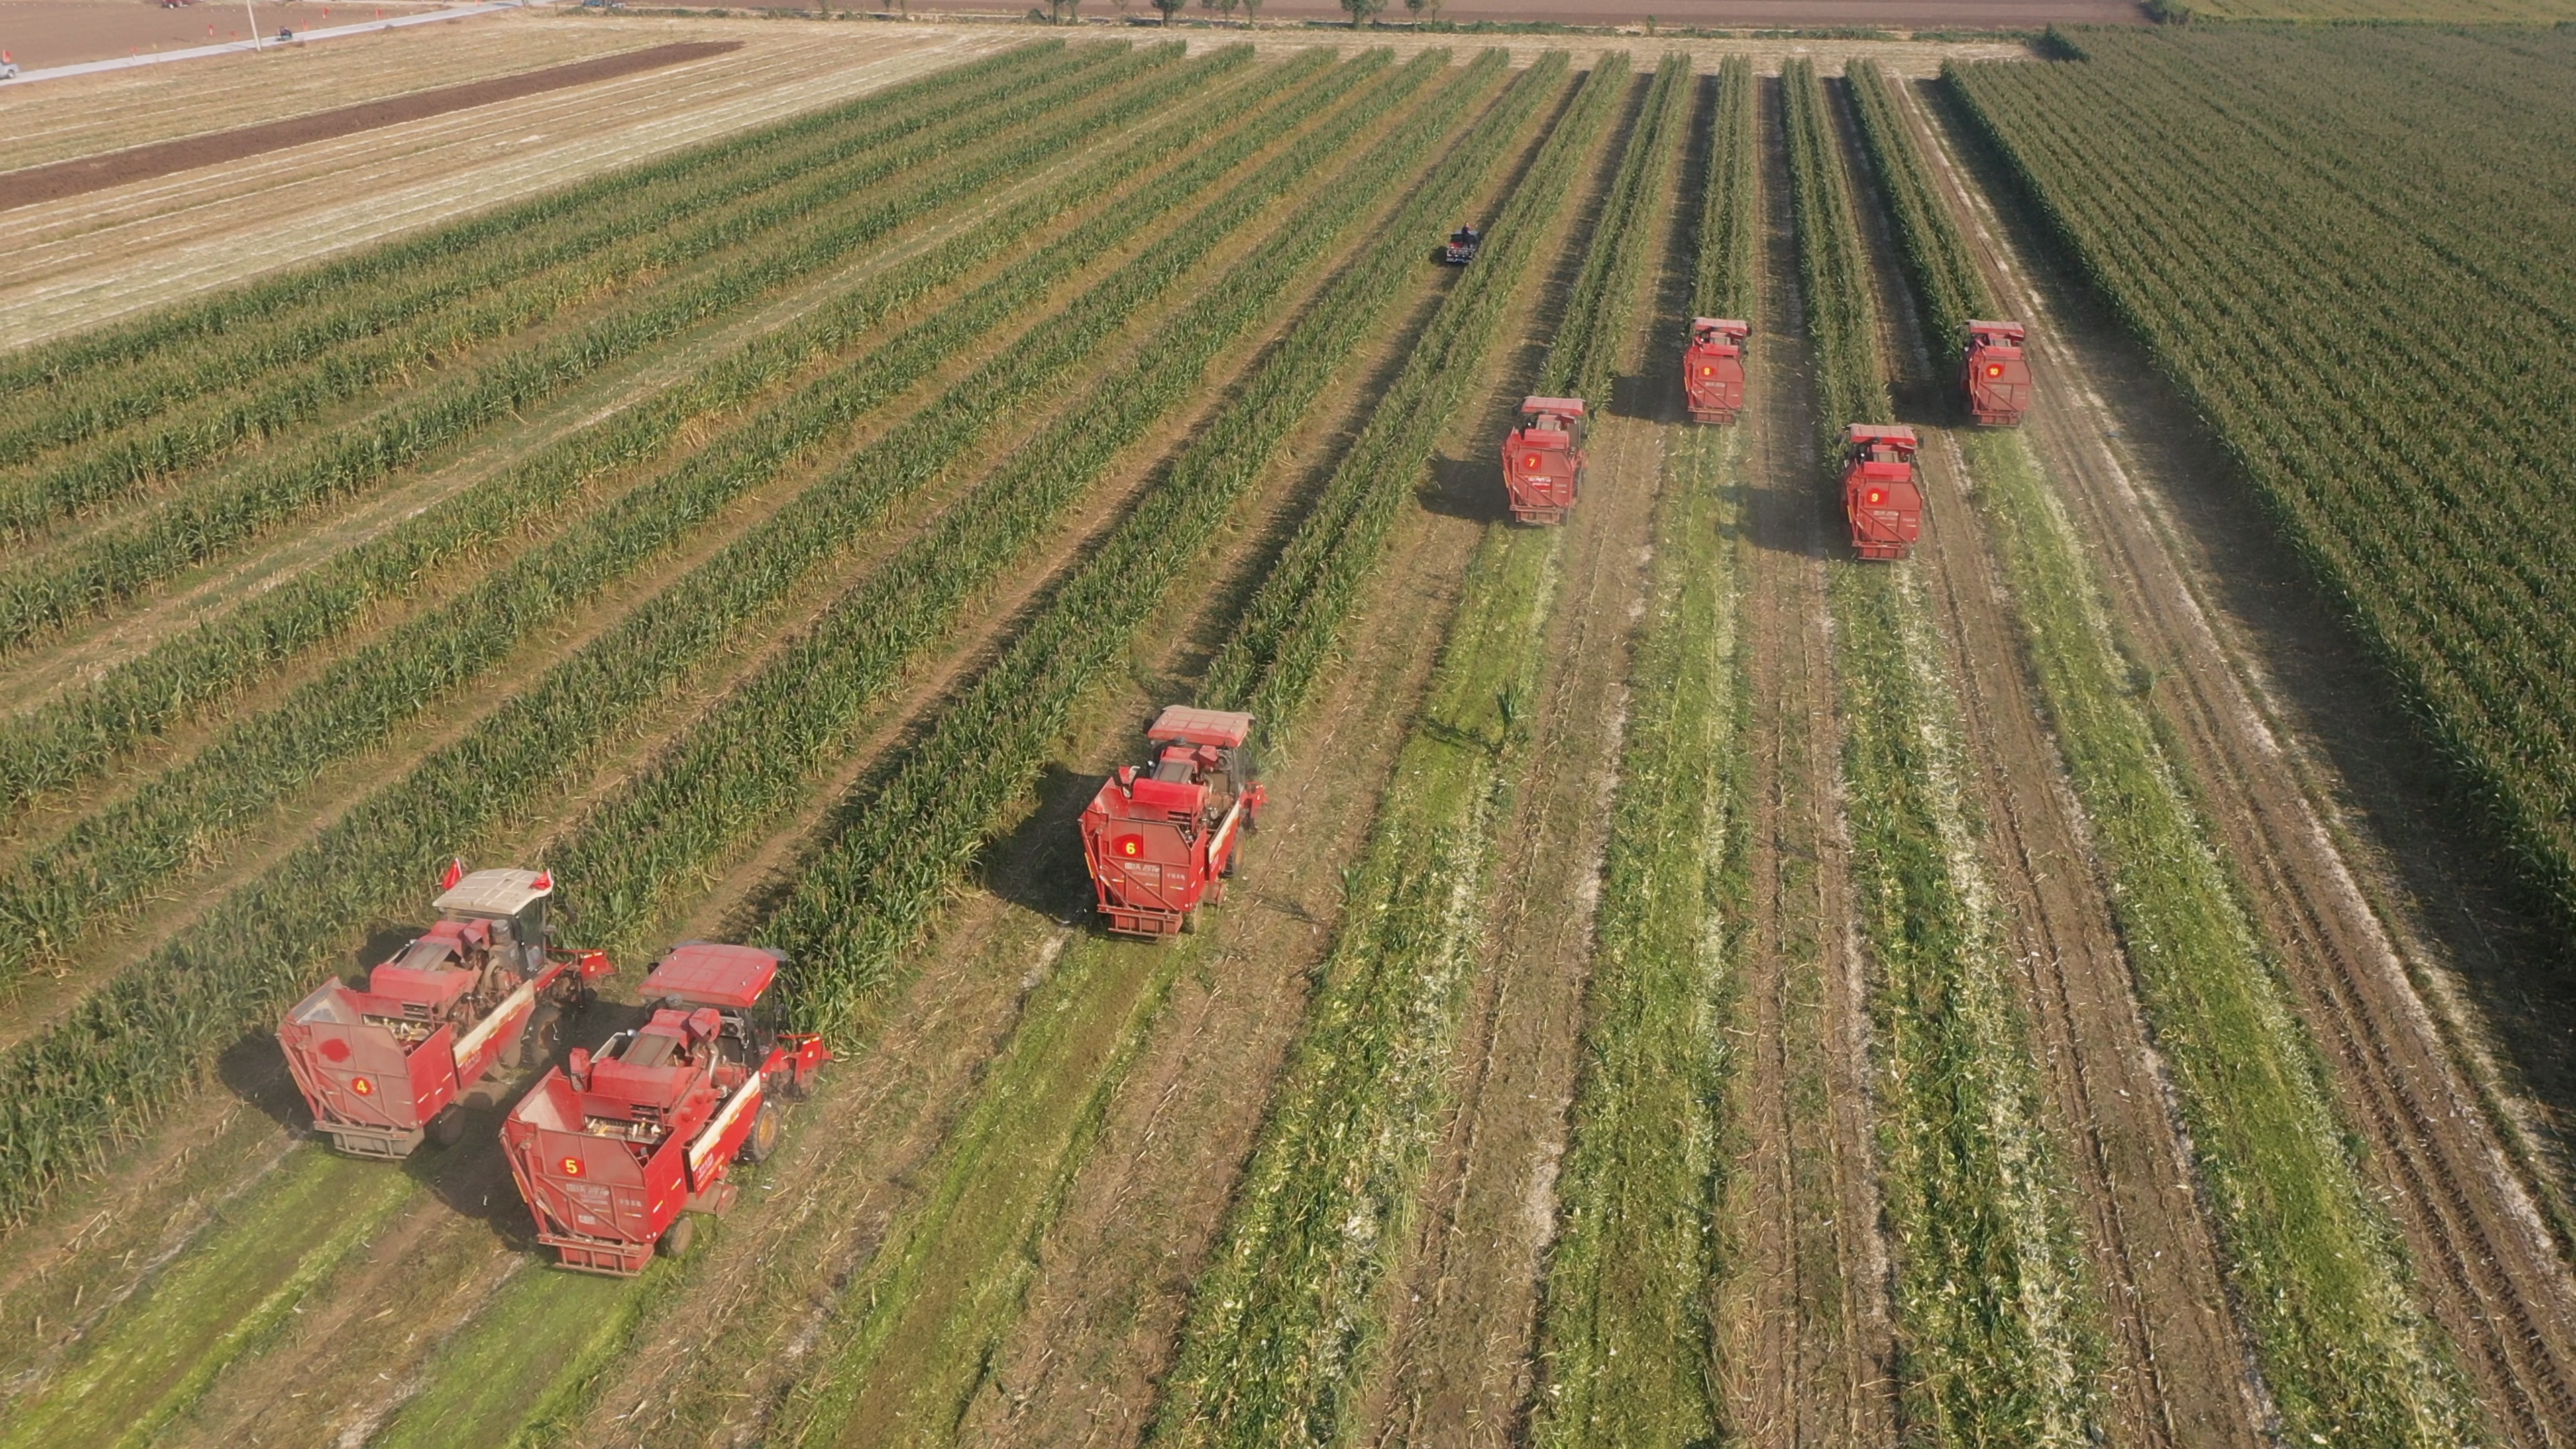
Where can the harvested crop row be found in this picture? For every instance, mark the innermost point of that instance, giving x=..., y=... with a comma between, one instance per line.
x=1624, y=1331
x=101, y=569
x=1997, y=1317
x=2345, y=1352
x=128, y=1048
x=415, y=314
x=75, y=736
x=238, y=780
x=1283, y=1324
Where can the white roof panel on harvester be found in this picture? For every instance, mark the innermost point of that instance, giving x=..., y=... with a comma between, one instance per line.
x=493, y=893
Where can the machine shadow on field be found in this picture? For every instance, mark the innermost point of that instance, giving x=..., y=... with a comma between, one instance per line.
x=1463, y=488
x=1038, y=866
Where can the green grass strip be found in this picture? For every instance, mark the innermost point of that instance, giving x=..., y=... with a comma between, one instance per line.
x=91, y=575
x=1288, y=1317
x=1625, y=1335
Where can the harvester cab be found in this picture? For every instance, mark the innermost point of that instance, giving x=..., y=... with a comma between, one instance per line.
x=1995, y=374
x=1159, y=839
x=1713, y=369
x=1543, y=459
x=615, y=1147
x=1462, y=246
x=1880, y=495
x=382, y=1066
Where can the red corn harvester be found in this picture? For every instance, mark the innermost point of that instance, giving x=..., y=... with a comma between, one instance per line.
x=613, y=1149
x=1543, y=459
x=1995, y=375
x=382, y=1066
x=1713, y=369
x=1161, y=838
x=1880, y=495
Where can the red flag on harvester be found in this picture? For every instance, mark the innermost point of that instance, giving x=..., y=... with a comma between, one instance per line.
x=545, y=880
x=455, y=872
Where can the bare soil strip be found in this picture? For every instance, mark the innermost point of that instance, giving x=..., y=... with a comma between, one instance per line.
x=2482, y=1255
x=2180, y=1372
x=1805, y=1351
x=38, y=184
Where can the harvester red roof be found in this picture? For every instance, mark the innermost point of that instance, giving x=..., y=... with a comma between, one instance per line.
x=1571, y=407
x=1224, y=728
x=709, y=973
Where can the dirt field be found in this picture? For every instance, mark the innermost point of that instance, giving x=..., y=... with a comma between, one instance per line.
x=43, y=33
x=991, y=1225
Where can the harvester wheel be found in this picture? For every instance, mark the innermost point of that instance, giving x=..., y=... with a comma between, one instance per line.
x=447, y=1128
x=544, y=1032
x=677, y=1237
x=763, y=1139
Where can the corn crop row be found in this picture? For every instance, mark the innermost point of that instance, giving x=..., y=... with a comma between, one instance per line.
x=2315, y=1268
x=81, y=732
x=145, y=840
x=1851, y=378
x=1580, y=359
x=922, y=829
x=99, y=570
x=1624, y=1331
x=1287, y=634
x=753, y=758
x=1725, y=280
x=98, y=1074
x=401, y=307
x=1945, y=276
x=2391, y=365
x=271, y=409
x=1285, y=1323
x=55, y=364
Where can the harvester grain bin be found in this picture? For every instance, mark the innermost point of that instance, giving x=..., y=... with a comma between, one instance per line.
x=1880, y=495
x=616, y=1147
x=1543, y=459
x=1160, y=838
x=1713, y=369
x=382, y=1066
x=1462, y=246
x=1995, y=375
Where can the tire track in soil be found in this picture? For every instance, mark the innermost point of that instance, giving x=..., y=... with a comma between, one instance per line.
x=1805, y=1350
x=2182, y=1370
x=2485, y=1264
x=1464, y=1326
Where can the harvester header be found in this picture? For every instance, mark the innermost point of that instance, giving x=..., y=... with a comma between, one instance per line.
x=1159, y=839
x=1543, y=459
x=1713, y=369
x=1881, y=496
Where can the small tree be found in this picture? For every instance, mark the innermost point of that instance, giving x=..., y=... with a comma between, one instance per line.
x=1360, y=10
x=1168, y=7
x=1221, y=7
x=1423, y=9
